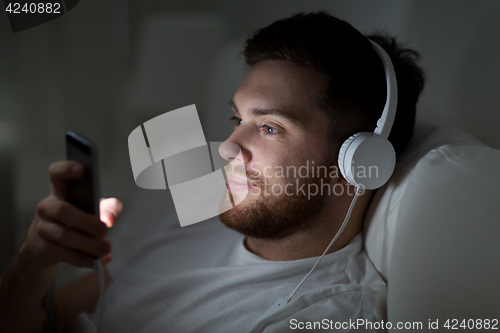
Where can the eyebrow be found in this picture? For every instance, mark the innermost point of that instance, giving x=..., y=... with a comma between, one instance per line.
x=263, y=112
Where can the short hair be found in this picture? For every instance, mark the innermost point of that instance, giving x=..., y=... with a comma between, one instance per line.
x=355, y=96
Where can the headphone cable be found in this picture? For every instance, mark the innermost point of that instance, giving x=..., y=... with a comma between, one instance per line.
x=281, y=302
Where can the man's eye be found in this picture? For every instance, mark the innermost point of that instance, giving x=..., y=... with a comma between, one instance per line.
x=269, y=129
x=236, y=121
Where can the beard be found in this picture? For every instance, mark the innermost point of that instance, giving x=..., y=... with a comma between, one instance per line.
x=272, y=216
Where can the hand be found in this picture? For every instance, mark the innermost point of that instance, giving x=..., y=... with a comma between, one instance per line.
x=63, y=233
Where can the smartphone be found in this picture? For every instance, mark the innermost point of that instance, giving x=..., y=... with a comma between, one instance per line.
x=84, y=192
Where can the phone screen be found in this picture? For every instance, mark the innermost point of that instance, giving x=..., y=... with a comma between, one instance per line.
x=83, y=192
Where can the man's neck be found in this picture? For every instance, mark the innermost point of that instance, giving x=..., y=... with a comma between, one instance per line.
x=313, y=242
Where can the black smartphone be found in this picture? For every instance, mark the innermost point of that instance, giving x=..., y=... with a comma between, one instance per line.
x=84, y=192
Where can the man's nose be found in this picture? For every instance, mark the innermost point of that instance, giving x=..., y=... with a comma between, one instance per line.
x=229, y=151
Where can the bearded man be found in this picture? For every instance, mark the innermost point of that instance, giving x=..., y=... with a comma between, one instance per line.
x=313, y=82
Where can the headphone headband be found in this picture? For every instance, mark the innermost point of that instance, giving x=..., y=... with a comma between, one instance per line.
x=384, y=124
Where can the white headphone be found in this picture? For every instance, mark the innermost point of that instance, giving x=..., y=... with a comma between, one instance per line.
x=368, y=159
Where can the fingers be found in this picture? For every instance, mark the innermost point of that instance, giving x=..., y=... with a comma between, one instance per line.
x=71, y=256
x=57, y=210
x=60, y=173
x=71, y=238
x=110, y=210
x=63, y=232
x=106, y=259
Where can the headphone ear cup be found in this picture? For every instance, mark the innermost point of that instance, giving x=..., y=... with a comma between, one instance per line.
x=367, y=160
x=342, y=152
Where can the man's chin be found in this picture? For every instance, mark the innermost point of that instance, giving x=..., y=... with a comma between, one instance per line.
x=247, y=218
x=245, y=197
x=271, y=217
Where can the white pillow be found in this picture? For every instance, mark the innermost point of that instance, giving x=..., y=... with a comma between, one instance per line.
x=384, y=211
x=445, y=261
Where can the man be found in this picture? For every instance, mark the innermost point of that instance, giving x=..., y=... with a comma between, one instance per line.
x=314, y=81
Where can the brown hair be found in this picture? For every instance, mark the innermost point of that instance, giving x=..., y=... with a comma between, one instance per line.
x=355, y=97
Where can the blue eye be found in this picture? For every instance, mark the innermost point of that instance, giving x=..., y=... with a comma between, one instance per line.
x=236, y=121
x=269, y=129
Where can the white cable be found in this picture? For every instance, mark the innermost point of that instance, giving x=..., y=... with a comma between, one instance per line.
x=102, y=285
x=359, y=190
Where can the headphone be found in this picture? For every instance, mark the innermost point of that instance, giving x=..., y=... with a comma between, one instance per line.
x=368, y=159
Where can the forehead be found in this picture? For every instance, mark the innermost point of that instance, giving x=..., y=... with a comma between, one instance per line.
x=283, y=86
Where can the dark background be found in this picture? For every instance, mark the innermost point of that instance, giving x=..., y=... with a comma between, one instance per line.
x=107, y=66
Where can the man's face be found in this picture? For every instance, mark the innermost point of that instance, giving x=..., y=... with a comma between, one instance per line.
x=282, y=135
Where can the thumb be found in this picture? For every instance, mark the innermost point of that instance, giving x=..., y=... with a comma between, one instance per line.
x=110, y=210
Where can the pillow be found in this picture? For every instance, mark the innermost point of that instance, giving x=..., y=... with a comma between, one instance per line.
x=383, y=212
x=445, y=262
